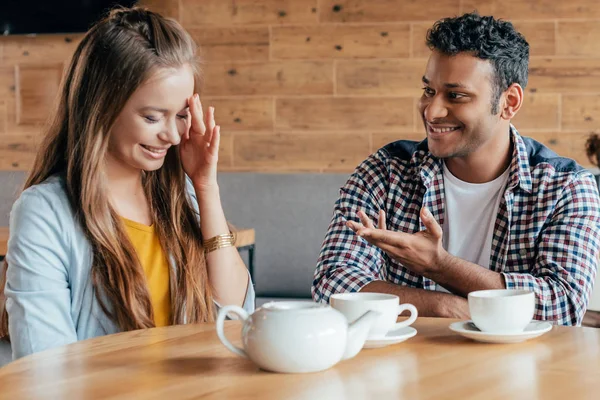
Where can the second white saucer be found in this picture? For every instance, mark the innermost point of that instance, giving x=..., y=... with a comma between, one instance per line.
x=469, y=330
x=392, y=337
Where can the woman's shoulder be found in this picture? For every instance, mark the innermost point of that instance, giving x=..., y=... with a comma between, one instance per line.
x=41, y=218
x=48, y=198
x=53, y=188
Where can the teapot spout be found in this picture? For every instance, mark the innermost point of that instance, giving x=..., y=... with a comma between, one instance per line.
x=357, y=333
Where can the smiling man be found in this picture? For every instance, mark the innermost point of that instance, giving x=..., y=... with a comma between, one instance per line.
x=475, y=205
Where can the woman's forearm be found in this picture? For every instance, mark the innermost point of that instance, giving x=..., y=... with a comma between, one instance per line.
x=226, y=271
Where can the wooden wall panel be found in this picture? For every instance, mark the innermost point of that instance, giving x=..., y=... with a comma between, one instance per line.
x=577, y=149
x=339, y=41
x=226, y=12
x=533, y=9
x=226, y=152
x=581, y=112
x=300, y=152
x=169, y=8
x=315, y=85
x=45, y=49
x=339, y=114
x=562, y=75
x=539, y=112
x=249, y=114
x=378, y=140
x=37, y=88
x=418, y=43
x=3, y=116
x=379, y=77
x=232, y=44
x=273, y=78
x=385, y=10
x=7, y=81
x=541, y=36
x=579, y=38
x=17, y=152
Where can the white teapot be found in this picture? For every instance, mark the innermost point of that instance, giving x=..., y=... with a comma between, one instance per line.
x=297, y=336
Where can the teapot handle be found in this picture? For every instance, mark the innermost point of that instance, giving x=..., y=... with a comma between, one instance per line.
x=240, y=312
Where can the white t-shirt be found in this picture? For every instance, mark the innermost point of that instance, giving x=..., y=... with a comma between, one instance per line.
x=470, y=214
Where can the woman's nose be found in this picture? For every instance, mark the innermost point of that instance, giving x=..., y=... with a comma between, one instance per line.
x=171, y=134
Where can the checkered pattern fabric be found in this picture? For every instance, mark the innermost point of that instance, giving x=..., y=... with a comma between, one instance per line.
x=546, y=236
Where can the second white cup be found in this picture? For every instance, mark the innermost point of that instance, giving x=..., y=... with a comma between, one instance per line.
x=353, y=305
x=502, y=311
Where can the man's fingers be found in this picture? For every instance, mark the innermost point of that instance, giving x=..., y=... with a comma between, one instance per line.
x=431, y=224
x=355, y=226
x=381, y=223
x=379, y=236
x=366, y=221
x=392, y=250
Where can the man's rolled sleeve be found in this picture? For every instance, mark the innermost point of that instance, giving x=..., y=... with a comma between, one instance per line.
x=565, y=269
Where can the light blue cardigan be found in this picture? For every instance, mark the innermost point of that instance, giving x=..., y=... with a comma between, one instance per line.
x=49, y=295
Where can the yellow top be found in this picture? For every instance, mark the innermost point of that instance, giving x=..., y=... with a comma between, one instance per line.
x=156, y=268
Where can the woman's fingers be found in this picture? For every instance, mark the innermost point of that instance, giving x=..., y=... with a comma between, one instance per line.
x=198, y=126
x=216, y=140
x=210, y=125
x=188, y=125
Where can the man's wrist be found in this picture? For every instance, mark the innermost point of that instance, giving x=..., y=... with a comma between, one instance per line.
x=440, y=266
x=453, y=307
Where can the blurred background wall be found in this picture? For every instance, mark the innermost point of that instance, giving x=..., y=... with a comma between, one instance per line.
x=316, y=85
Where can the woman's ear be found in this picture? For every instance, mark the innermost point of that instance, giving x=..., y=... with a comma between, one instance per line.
x=513, y=100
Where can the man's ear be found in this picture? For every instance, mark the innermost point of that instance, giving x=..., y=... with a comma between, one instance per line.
x=512, y=101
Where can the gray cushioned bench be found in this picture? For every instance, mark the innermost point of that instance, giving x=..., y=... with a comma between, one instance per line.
x=290, y=214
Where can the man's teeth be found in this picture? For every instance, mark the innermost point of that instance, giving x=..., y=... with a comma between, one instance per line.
x=442, y=130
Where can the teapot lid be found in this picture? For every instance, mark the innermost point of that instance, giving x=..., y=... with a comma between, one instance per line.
x=296, y=306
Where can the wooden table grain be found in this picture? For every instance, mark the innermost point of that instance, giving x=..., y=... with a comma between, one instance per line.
x=185, y=362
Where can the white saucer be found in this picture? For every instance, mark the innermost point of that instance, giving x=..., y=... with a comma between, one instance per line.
x=392, y=337
x=469, y=330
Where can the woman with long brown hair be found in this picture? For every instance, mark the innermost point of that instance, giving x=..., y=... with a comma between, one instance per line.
x=120, y=225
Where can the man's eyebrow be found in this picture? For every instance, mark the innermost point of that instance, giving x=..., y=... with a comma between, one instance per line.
x=455, y=85
x=447, y=85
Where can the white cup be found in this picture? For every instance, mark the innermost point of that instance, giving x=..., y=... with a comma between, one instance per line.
x=501, y=311
x=353, y=305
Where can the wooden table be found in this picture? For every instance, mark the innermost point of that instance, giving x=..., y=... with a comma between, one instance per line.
x=184, y=362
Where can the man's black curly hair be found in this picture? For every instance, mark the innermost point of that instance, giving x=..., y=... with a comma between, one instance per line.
x=488, y=39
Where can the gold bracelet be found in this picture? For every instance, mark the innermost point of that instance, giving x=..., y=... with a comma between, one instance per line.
x=219, y=242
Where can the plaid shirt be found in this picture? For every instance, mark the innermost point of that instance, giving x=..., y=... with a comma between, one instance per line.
x=546, y=236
